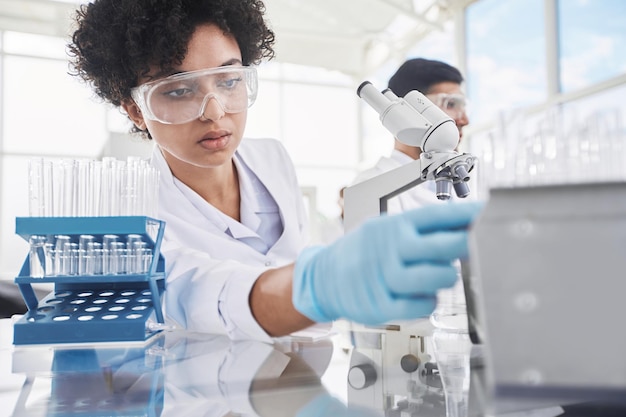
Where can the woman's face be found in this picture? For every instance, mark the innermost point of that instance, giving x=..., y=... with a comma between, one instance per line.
x=210, y=140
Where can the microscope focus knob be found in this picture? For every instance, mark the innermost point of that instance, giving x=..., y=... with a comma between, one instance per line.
x=362, y=376
x=409, y=363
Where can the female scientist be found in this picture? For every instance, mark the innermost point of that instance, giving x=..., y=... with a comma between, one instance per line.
x=236, y=229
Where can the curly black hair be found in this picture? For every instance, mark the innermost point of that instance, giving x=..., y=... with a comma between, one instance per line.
x=117, y=41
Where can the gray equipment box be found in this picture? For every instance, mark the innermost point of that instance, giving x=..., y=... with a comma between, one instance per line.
x=549, y=292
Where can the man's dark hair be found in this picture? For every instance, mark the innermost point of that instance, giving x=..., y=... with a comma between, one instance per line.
x=421, y=74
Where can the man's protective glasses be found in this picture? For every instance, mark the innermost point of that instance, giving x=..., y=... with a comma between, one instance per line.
x=455, y=105
x=181, y=98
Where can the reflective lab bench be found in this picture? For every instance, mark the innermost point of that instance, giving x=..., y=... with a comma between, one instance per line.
x=351, y=371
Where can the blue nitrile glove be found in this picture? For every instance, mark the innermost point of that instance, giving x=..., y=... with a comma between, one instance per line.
x=390, y=268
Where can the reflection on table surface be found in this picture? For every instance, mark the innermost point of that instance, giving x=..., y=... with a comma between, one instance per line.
x=353, y=371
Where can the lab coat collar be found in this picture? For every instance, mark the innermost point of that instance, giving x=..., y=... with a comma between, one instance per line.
x=191, y=203
x=263, y=156
x=250, y=204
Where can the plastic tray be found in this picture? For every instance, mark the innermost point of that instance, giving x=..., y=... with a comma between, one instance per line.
x=92, y=308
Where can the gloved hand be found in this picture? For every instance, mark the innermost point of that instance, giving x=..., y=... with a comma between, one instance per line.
x=390, y=268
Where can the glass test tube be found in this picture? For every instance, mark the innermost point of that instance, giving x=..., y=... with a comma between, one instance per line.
x=129, y=200
x=138, y=253
x=50, y=254
x=107, y=250
x=36, y=202
x=68, y=188
x=73, y=269
x=117, y=258
x=146, y=259
x=95, y=190
x=36, y=256
x=133, y=243
x=81, y=185
x=85, y=249
x=107, y=190
x=98, y=258
x=62, y=255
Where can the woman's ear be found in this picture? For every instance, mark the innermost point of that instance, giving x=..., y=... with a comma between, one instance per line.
x=134, y=113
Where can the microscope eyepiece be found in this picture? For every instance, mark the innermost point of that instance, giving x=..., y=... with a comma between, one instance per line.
x=363, y=84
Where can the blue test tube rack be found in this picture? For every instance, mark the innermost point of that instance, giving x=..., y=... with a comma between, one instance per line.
x=92, y=308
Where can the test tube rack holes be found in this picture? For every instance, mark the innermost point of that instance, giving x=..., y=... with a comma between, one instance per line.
x=99, y=306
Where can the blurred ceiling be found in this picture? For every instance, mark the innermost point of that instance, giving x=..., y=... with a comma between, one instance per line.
x=351, y=36
x=355, y=36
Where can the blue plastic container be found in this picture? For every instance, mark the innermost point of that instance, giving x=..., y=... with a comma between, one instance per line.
x=92, y=308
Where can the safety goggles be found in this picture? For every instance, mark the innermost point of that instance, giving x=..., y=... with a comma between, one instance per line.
x=181, y=98
x=455, y=105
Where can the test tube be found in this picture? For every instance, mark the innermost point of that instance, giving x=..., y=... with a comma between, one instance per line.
x=48, y=193
x=62, y=255
x=87, y=255
x=81, y=185
x=108, y=189
x=118, y=180
x=146, y=259
x=106, y=262
x=83, y=264
x=73, y=269
x=50, y=255
x=133, y=242
x=138, y=252
x=107, y=249
x=150, y=191
x=98, y=256
x=108, y=240
x=36, y=201
x=36, y=256
x=129, y=201
x=95, y=190
x=70, y=189
x=117, y=258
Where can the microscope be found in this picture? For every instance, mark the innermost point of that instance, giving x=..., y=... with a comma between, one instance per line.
x=416, y=121
x=392, y=367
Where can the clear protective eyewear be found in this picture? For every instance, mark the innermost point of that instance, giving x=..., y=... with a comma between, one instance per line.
x=181, y=98
x=455, y=105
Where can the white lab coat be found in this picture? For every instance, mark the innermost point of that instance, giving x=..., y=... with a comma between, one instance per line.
x=209, y=273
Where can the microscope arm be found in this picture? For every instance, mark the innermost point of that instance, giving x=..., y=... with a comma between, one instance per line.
x=369, y=198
